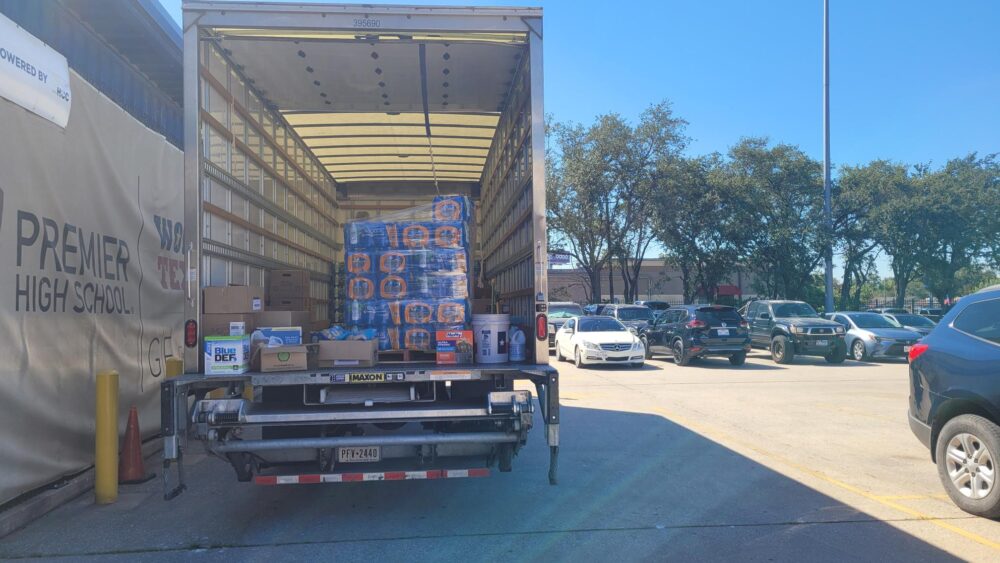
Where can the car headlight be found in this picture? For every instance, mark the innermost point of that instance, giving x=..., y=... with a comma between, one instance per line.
x=637, y=345
x=590, y=345
x=552, y=329
x=839, y=330
x=795, y=329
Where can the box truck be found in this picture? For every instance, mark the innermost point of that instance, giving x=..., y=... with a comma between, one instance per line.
x=300, y=118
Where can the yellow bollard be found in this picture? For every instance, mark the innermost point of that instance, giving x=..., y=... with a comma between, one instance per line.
x=106, y=439
x=175, y=367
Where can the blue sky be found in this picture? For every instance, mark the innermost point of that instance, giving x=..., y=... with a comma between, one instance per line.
x=911, y=80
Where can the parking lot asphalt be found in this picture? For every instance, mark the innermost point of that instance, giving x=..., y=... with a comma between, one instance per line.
x=765, y=462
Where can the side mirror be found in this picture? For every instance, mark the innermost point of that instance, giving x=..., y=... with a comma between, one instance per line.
x=765, y=316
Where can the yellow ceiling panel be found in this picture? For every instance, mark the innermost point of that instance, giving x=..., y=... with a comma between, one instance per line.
x=405, y=166
x=335, y=160
x=397, y=150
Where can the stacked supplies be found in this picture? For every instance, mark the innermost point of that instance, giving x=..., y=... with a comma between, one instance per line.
x=408, y=273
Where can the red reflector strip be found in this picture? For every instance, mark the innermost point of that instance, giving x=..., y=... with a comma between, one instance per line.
x=313, y=478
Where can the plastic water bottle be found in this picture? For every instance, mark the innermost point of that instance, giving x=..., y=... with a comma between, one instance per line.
x=516, y=344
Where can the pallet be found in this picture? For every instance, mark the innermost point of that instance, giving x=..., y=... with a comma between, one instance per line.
x=405, y=356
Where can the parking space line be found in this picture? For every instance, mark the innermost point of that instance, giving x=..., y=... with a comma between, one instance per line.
x=884, y=500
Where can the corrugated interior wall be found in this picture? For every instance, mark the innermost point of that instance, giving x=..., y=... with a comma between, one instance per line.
x=506, y=219
x=268, y=203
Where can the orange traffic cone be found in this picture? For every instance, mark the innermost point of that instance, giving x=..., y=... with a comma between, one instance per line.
x=131, y=469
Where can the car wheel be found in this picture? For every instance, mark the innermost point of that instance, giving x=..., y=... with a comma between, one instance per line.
x=578, y=358
x=738, y=359
x=838, y=355
x=859, y=352
x=559, y=356
x=680, y=356
x=781, y=350
x=968, y=451
x=645, y=346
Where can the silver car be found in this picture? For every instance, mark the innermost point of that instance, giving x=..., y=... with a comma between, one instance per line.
x=917, y=323
x=870, y=336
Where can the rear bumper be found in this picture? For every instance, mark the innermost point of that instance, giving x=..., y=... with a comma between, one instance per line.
x=721, y=350
x=921, y=430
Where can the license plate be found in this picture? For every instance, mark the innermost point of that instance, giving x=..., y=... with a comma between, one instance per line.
x=366, y=378
x=722, y=331
x=822, y=342
x=359, y=454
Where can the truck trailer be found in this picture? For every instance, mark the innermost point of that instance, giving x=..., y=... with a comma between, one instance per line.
x=299, y=118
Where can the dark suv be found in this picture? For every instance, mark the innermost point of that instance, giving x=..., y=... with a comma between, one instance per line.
x=633, y=316
x=790, y=328
x=687, y=332
x=955, y=400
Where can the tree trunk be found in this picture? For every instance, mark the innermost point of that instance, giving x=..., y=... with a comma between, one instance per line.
x=901, y=284
x=611, y=281
x=595, y=285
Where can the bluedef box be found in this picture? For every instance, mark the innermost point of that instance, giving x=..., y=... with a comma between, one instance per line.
x=227, y=355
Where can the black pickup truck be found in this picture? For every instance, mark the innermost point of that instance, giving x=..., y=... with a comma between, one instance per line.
x=790, y=328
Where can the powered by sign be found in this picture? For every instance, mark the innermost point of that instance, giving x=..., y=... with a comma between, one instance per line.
x=33, y=75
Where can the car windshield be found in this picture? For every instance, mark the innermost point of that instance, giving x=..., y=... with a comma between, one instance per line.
x=600, y=324
x=635, y=314
x=565, y=311
x=871, y=320
x=794, y=310
x=914, y=320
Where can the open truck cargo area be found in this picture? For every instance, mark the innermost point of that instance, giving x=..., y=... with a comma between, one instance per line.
x=300, y=118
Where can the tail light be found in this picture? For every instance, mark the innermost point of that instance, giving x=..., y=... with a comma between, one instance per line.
x=541, y=327
x=697, y=323
x=191, y=333
x=744, y=324
x=917, y=350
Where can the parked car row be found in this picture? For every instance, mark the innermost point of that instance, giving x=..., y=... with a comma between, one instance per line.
x=784, y=328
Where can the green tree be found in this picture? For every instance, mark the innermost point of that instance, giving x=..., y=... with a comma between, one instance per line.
x=961, y=224
x=778, y=194
x=696, y=222
x=634, y=163
x=575, y=202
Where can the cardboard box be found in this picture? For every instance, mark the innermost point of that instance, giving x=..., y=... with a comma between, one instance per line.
x=454, y=346
x=227, y=355
x=289, y=335
x=288, y=284
x=283, y=358
x=356, y=353
x=291, y=304
x=283, y=318
x=219, y=324
x=233, y=299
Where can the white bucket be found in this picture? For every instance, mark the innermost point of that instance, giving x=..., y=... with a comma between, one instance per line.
x=490, y=333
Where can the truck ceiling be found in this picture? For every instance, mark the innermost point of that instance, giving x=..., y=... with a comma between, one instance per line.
x=384, y=105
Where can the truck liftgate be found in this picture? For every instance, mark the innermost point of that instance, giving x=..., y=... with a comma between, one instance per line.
x=339, y=425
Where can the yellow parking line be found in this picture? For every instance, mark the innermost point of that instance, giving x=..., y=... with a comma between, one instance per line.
x=881, y=499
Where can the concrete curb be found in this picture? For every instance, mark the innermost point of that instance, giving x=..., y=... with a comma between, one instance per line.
x=23, y=513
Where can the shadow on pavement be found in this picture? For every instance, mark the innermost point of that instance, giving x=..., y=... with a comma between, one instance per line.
x=632, y=486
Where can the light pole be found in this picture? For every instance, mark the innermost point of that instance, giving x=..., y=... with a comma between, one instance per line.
x=827, y=207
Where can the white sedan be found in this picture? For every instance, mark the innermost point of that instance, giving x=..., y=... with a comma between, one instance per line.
x=598, y=340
